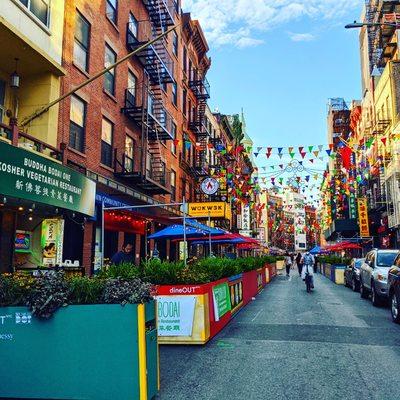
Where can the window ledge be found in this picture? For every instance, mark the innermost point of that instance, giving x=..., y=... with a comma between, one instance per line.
x=80, y=69
x=106, y=167
x=113, y=24
x=77, y=152
x=111, y=96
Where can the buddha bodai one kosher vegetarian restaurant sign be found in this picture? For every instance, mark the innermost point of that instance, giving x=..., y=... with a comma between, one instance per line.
x=29, y=176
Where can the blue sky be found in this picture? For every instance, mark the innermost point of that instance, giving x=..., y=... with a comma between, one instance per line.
x=281, y=60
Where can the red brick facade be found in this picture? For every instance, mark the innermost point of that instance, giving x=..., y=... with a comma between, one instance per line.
x=100, y=104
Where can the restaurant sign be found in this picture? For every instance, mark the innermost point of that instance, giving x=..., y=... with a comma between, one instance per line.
x=28, y=176
x=214, y=209
x=363, y=217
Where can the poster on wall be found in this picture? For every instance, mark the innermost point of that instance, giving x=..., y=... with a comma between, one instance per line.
x=236, y=291
x=23, y=242
x=52, y=241
x=175, y=315
x=221, y=299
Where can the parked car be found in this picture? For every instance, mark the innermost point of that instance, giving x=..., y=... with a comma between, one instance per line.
x=374, y=273
x=394, y=289
x=352, y=274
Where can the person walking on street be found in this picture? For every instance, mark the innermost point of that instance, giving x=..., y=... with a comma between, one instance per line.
x=308, y=262
x=299, y=262
x=288, y=263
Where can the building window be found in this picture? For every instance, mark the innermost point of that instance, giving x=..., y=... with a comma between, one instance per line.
x=106, y=142
x=77, y=124
x=173, y=134
x=190, y=70
x=39, y=8
x=81, y=44
x=112, y=10
x=2, y=99
x=128, y=160
x=175, y=43
x=133, y=26
x=131, y=90
x=109, y=77
x=175, y=94
x=184, y=101
x=173, y=185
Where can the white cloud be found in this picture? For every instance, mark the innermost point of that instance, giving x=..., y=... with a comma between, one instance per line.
x=301, y=37
x=240, y=22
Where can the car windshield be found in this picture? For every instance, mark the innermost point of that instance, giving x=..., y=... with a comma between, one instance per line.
x=385, y=259
x=358, y=263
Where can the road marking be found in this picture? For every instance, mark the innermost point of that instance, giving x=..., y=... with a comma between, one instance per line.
x=256, y=316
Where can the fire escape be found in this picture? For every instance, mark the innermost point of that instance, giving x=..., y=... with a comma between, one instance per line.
x=201, y=89
x=144, y=103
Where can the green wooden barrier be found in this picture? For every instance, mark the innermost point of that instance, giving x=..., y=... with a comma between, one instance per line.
x=83, y=352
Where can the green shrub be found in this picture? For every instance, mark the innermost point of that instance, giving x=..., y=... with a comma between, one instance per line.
x=132, y=291
x=85, y=290
x=123, y=270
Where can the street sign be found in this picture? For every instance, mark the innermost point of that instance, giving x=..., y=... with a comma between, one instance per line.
x=209, y=186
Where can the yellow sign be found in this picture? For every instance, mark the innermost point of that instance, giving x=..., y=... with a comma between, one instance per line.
x=216, y=209
x=363, y=217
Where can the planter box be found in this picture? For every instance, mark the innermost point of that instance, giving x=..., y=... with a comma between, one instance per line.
x=338, y=274
x=95, y=352
x=191, y=314
x=280, y=264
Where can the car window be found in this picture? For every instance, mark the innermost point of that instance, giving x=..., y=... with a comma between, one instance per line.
x=386, y=259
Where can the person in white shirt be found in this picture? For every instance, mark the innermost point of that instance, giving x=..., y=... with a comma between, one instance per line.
x=308, y=266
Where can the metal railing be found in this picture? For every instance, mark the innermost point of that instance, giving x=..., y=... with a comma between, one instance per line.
x=155, y=58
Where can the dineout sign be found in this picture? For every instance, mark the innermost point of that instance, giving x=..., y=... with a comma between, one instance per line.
x=181, y=289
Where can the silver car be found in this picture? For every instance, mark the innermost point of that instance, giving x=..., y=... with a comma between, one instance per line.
x=374, y=274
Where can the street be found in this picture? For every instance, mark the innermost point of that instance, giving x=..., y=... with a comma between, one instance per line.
x=288, y=344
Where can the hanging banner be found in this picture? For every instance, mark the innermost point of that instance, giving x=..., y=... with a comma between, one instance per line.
x=352, y=207
x=246, y=226
x=363, y=217
x=175, y=315
x=221, y=299
x=52, y=241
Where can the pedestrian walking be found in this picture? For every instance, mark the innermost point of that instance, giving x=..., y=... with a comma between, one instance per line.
x=308, y=262
x=299, y=262
x=288, y=263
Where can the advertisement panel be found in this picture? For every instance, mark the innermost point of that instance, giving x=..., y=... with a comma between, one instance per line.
x=236, y=292
x=52, y=241
x=221, y=299
x=175, y=315
x=363, y=217
x=29, y=176
x=23, y=242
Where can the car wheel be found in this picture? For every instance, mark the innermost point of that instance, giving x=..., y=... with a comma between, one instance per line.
x=376, y=300
x=345, y=282
x=395, y=307
x=363, y=292
x=354, y=285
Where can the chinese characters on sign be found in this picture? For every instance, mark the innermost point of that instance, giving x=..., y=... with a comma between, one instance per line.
x=26, y=175
x=363, y=217
x=352, y=207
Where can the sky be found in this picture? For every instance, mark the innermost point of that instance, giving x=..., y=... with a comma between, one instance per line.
x=280, y=61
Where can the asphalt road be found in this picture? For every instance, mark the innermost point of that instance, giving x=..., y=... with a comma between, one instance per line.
x=288, y=344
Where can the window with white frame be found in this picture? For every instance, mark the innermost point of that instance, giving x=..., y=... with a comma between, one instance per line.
x=107, y=129
x=129, y=148
x=77, y=124
x=39, y=8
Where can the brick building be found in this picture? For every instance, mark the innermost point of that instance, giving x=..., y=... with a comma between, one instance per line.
x=134, y=130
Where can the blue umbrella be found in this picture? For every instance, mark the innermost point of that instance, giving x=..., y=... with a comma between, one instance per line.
x=193, y=229
x=315, y=250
